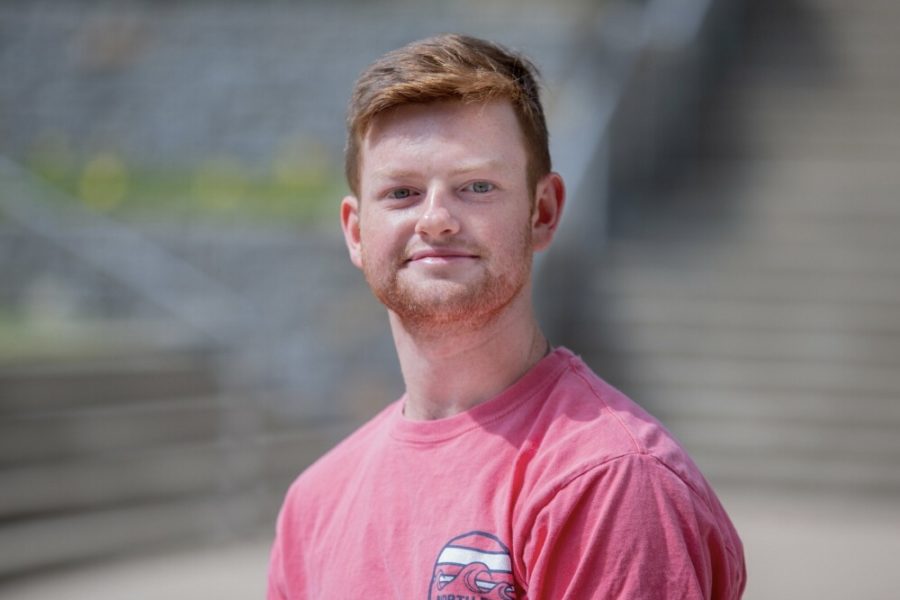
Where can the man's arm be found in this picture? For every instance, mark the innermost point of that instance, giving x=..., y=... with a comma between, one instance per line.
x=277, y=573
x=631, y=528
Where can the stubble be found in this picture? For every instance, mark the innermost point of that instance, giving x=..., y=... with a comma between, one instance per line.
x=442, y=305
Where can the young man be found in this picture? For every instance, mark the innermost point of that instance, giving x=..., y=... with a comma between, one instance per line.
x=507, y=469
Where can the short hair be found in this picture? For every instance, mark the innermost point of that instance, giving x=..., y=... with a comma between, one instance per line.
x=449, y=67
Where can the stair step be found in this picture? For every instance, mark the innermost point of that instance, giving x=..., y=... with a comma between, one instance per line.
x=58, y=434
x=842, y=9
x=760, y=407
x=823, y=58
x=641, y=343
x=789, y=136
x=758, y=375
x=789, y=147
x=821, y=43
x=67, y=511
x=55, y=385
x=824, y=20
x=769, y=316
x=716, y=231
x=614, y=282
x=821, y=82
x=840, y=445
x=810, y=121
x=118, y=478
x=138, y=475
x=823, y=101
x=31, y=545
x=747, y=254
x=790, y=473
x=821, y=191
x=126, y=445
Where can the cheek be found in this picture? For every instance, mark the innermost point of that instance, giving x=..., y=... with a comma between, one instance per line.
x=514, y=231
x=380, y=234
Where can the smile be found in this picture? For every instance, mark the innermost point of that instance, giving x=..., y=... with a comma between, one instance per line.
x=439, y=257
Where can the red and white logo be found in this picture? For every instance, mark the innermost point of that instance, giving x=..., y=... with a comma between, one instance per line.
x=473, y=566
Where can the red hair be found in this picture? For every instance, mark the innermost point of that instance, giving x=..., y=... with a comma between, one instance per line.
x=449, y=67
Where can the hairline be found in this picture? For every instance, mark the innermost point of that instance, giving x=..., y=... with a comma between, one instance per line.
x=450, y=67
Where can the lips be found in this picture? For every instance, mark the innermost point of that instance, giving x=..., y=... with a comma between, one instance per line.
x=438, y=255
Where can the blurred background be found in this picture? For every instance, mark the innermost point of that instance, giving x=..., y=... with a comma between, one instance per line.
x=181, y=332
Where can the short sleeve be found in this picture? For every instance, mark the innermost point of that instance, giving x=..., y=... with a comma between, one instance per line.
x=275, y=586
x=631, y=528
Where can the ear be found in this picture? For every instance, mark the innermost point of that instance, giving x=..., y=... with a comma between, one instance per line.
x=549, y=198
x=350, y=227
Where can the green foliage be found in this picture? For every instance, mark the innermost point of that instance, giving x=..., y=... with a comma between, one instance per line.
x=292, y=191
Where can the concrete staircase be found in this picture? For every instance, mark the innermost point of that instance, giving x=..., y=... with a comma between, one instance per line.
x=753, y=301
x=126, y=445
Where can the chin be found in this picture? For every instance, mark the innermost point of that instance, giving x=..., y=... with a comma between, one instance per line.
x=443, y=304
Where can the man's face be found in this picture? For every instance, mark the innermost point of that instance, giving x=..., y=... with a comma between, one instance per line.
x=443, y=226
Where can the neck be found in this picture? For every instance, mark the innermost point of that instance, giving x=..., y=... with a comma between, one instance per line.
x=450, y=371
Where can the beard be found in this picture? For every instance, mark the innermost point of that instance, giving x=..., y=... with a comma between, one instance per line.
x=440, y=304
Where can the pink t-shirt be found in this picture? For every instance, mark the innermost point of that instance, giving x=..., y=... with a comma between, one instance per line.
x=560, y=487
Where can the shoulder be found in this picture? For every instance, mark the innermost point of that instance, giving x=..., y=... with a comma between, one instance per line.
x=582, y=412
x=637, y=529
x=600, y=463
x=325, y=476
x=586, y=429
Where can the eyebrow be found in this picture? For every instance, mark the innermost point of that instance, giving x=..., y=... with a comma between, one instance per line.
x=388, y=172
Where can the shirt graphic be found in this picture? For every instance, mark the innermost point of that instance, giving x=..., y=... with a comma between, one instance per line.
x=473, y=566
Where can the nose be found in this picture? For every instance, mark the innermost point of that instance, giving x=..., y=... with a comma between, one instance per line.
x=436, y=219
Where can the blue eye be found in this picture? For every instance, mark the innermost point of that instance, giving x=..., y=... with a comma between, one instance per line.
x=401, y=193
x=481, y=187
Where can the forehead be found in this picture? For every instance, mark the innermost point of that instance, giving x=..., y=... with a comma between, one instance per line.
x=436, y=134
